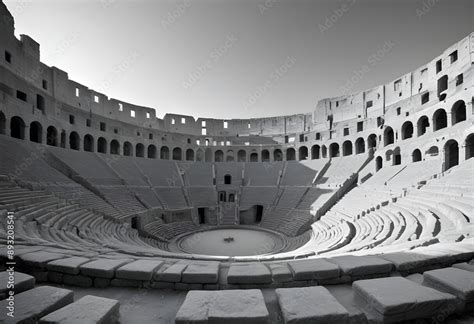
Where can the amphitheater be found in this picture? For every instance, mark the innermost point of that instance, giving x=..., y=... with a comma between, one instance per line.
x=358, y=212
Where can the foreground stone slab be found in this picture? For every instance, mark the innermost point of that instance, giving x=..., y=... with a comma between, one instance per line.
x=362, y=265
x=33, y=304
x=451, y=280
x=88, y=309
x=201, y=272
x=172, y=273
x=226, y=306
x=39, y=259
x=399, y=299
x=249, y=273
x=280, y=272
x=310, y=305
x=138, y=270
x=68, y=265
x=313, y=269
x=102, y=268
x=21, y=281
x=407, y=262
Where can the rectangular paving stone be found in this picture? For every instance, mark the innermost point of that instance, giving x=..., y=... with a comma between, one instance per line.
x=313, y=269
x=39, y=259
x=451, y=280
x=407, y=262
x=399, y=299
x=172, y=273
x=201, y=272
x=33, y=304
x=102, y=268
x=88, y=309
x=68, y=265
x=138, y=270
x=280, y=272
x=310, y=305
x=225, y=306
x=249, y=273
x=362, y=265
x=20, y=280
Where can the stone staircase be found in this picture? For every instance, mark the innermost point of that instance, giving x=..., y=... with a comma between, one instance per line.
x=228, y=213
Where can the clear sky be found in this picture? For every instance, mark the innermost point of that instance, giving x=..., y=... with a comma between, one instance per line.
x=238, y=59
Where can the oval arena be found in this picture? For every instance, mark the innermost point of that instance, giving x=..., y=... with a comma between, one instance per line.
x=360, y=211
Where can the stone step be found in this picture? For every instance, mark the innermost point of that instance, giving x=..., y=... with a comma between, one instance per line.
x=21, y=281
x=33, y=304
x=88, y=309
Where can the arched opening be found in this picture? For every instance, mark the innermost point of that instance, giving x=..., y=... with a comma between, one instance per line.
x=3, y=123
x=440, y=119
x=315, y=152
x=189, y=155
x=114, y=147
x=372, y=141
x=324, y=152
x=208, y=155
x=397, y=157
x=52, y=136
x=253, y=157
x=241, y=156
x=265, y=156
x=202, y=215
x=151, y=151
x=164, y=153
x=17, y=128
x=422, y=125
x=451, y=154
x=74, y=141
x=433, y=151
x=388, y=136
x=259, y=214
x=229, y=156
x=102, y=145
x=290, y=154
x=469, y=146
x=407, y=130
x=231, y=197
x=416, y=155
x=458, y=112
x=378, y=163
x=347, y=148
x=127, y=149
x=277, y=155
x=222, y=196
x=333, y=150
x=88, y=143
x=360, y=145
x=227, y=179
x=303, y=153
x=36, y=132
x=140, y=150
x=219, y=156
x=199, y=155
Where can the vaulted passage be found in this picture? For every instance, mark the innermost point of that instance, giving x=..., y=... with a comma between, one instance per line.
x=127, y=149
x=388, y=136
x=458, y=113
x=347, y=148
x=140, y=150
x=422, y=125
x=333, y=150
x=88, y=143
x=451, y=154
x=164, y=153
x=3, y=123
x=360, y=145
x=74, y=141
x=219, y=156
x=469, y=146
x=189, y=155
x=36, y=132
x=290, y=154
x=151, y=151
x=114, y=147
x=101, y=145
x=303, y=153
x=407, y=130
x=52, y=136
x=440, y=120
x=315, y=152
x=17, y=128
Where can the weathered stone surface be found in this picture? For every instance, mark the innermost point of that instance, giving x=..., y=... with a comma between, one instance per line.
x=103, y=268
x=201, y=272
x=464, y=266
x=88, y=309
x=280, y=272
x=362, y=265
x=410, y=262
x=249, y=273
x=451, y=280
x=101, y=282
x=21, y=281
x=126, y=283
x=172, y=273
x=68, y=265
x=229, y=306
x=313, y=269
x=39, y=259
x=78, y=281
x=138, y=270
x=310, y=305
x=33, y=304
x=399, y=299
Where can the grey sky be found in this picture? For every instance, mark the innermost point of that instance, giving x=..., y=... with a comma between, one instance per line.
x=237, y=59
